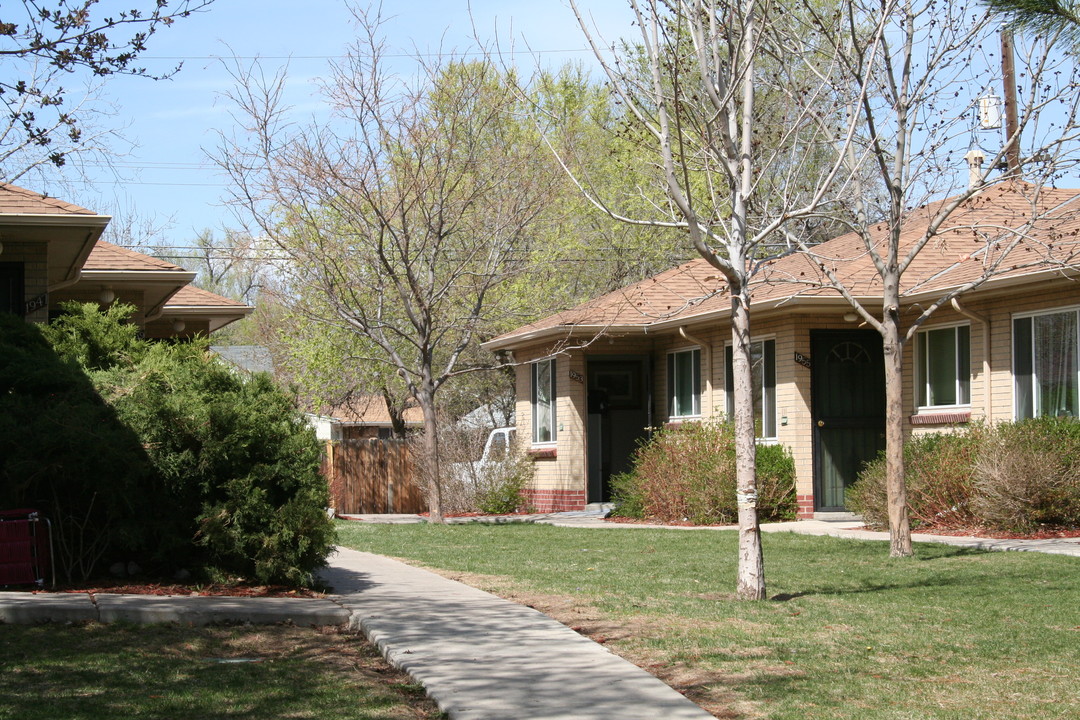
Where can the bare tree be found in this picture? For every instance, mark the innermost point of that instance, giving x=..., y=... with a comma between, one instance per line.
x=921, y=66
x=404, y=216
x=44, y=45
x=734, y=171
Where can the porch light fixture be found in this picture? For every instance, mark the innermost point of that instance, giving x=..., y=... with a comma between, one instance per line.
x=178, y=325
x=850, y=317
x=106, y=296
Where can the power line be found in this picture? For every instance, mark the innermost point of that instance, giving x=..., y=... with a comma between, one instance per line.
x=477, y=53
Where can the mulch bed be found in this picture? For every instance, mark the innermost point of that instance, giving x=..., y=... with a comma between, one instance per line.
x=130, y=587
x=1057, y=534
x=980, y=532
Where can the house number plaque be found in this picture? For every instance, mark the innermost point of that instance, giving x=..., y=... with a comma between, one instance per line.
x=36, y=303
x=803, y=360
x=576, y=376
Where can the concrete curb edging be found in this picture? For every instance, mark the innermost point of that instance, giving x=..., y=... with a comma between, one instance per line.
x=21, y=608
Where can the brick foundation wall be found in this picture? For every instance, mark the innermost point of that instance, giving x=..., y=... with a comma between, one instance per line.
x=556, y=500
x=805, y=509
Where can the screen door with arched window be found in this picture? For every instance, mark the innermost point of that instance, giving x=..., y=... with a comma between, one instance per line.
x=848, y=398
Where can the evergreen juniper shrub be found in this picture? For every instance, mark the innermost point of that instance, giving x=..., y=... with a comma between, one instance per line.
x=157, y=452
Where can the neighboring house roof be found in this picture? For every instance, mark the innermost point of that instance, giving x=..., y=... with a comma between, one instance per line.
x=108, y=257
x=68, y=230
x=110, y=267
x=162, y=288
x=370, y=410
x=695, y=291
x=14, y=199
x=191, y=303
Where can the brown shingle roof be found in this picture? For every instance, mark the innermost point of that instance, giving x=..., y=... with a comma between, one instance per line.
x=106, y=256
x=370, y=410
x=20, y=201
x=190, y=296
x=1046, y=220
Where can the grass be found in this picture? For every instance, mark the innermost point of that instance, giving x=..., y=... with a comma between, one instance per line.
x=848, y=633
x=178, y=673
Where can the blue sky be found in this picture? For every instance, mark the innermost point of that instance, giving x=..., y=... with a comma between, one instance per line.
x=166, y=180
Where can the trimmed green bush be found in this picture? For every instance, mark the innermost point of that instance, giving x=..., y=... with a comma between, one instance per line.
x=687, y=473
x=177, y=461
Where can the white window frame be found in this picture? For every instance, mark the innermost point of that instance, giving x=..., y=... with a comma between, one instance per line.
x=537, y=407
x=674, y=412
x=1036, y=409
x=768, y=393
x=922, y=379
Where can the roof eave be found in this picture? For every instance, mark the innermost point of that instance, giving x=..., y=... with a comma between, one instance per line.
x=565, y=332
x=55, y=220
x=218, y=317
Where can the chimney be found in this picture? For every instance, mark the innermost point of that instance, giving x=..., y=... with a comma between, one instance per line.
x=975, y=158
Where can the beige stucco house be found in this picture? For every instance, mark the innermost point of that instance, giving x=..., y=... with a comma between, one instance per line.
x=51, y=251
x=593, y=379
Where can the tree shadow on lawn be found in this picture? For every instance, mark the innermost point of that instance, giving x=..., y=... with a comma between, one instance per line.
x=927, y=554
x=169, y=671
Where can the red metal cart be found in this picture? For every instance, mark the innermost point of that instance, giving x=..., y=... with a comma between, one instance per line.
x=25, y=548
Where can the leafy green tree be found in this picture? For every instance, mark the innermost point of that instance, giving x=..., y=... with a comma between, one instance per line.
x=403, y=219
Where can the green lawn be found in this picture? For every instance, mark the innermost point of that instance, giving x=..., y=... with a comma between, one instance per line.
x=170, y=672
x=848, y=633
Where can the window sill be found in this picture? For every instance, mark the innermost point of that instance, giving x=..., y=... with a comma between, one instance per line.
x=940, y=417
x=542, y=453
x=677, y=421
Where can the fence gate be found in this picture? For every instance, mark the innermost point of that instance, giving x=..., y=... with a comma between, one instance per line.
x=370, y=475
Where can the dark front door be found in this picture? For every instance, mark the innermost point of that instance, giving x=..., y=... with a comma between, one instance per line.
x=618, y=417
x=848, y=396
x=12, y=299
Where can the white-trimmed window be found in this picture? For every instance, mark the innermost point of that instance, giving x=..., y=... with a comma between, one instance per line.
x=763, y=370
x=944, y=367
x=1045, y=364
x=684, y=383
x=543, y=401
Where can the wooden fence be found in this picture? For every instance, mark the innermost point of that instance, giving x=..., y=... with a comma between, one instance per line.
x=372, y=476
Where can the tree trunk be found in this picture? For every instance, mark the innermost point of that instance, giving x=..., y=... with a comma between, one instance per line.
x=751, y=567
x=429, y=462
x=896, y=488
x=396, y=413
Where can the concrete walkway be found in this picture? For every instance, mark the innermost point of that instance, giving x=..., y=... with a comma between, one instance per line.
x=484, y=658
